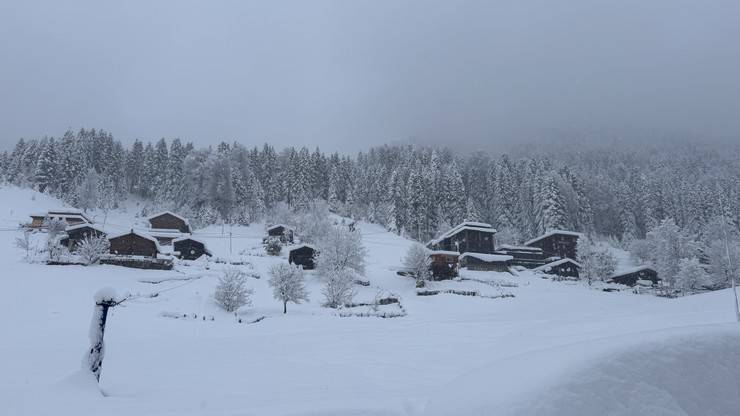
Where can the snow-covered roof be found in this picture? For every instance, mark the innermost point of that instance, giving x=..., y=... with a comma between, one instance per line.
x=162, y=233
x=63, y=214
x=312, y=247
x=553, y=232
x=444, y=252
x=84, y=225
x=556, y=263
x=487, y=257
x=630, y=270
x=140, y=234
x=159, y=214
x=274, y=226
x=511, y=247
x=473, y=226
x=187, y=237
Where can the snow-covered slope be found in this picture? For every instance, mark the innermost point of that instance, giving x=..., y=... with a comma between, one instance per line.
x=312, y=361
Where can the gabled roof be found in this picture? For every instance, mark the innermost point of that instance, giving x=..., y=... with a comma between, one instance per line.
x=272, y=227
x=557, y=263
x=487, y=257
x=137, y=233
x=151, y=217
x=312, y=247
x=553, y=232
x=632, y=270
x=187, y=237
x=66, y=213
x=473, y=226
x=84, y=225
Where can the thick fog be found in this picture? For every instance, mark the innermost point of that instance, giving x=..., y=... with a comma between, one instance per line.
x=346, y=75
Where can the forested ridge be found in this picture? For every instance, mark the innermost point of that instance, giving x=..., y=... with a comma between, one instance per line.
x=608, y=190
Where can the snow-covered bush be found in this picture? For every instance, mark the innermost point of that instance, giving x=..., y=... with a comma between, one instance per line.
x=668, y=244
x=91, y=249
x=232, y=292
x=287, y=284
x=312, y=223
x=417, y=262
x=691, y=275
x=597, y=261
x=338, y=288
x=54, y=227
x=56, y=250
x=340, y=249
x=273, y=246
x=24, y=243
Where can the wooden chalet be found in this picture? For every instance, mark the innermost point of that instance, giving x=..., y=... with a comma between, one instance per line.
x=71, y=217
x=165, y=236
x=556, y=243
x=189, y=248
x=281, y=231
x=529, y=257
x=168, y=220
x=303, y=255
x=134, y=243
x=477, y=237
x=485, y=262
x=563, y=268
x=77, y=233
x=444, y=264
x=631, y=277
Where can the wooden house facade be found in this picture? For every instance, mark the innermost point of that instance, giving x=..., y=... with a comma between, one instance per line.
x=630, y=277
x=529, y=257
x=77, y=233
x=133, y=243
x=556, y=243
x=444, y=264
x=303, y=255
x=563, y=268
x=281, y=231
x=188, y=248
x=71, y=217
x=169, y=221
x=486, y=262
x=467, y=237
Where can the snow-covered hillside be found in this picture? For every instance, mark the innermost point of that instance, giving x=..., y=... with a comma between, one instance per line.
x=563, y=344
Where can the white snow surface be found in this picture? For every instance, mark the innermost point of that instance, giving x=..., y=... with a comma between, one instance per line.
x=556, y=348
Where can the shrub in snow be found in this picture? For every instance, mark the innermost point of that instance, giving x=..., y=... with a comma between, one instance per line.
x=24, y=243
x=287, y=284
x=338, y=288
x=91, y=249
x=417, y=261
x=232, y=292
x=597, y=262
x=273, y=246
x=55, y=250
x=54, y=227
x=691, y=275
x=340, y=249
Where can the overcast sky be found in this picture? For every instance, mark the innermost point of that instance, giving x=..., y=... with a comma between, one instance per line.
x=347, y=74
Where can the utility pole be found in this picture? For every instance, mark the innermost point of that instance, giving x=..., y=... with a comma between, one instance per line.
x=728, y=270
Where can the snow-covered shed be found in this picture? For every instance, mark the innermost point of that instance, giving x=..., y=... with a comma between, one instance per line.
x=79, y=232
x=281, y=231
x=134, y=243
x=71, y=217
x=168, y=220
x=189, y=248
x=477, y=237
x=556, y=243
x=444, y=264
x=485, y=261
x=303, y=255
x=564, y=268
x=629, y=277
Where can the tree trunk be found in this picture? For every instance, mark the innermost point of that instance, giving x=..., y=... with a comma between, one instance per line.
x=285, y=306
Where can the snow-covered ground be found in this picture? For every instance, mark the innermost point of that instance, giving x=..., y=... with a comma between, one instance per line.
x=555, y=348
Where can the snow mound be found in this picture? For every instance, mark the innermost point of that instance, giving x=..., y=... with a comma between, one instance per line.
x=692, y=371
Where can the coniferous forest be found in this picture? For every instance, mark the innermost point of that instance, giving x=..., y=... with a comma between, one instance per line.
x=610, y=190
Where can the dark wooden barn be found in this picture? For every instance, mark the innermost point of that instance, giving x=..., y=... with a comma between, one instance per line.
x=71, y=217
x=563, y=268
x=134, y=244
x=189, y=248
x=556, y=243
x=630, y=277
x=469, y=236
x=444, y=264
x=303, y=255
x=169, y=221
x=283, y=232
x=79, y=232
x=485, y=262
x=529, y=257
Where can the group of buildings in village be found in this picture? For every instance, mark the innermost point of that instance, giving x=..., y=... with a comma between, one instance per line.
x=168, y=234
x=302, y=254
x=473, y=245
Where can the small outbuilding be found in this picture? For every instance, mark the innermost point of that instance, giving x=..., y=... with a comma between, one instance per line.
x=444, y=264
x=134, y=243
x=630, y=277
x=556, y=243
x=77, y=233
x=563, y=268
x=71, y=217
x=469, y=236
x=189, y=248
x=168, y=220
x=303, y=255
x=281, y=231
x=486, y=262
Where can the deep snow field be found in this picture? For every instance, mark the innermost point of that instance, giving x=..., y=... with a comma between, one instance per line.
x=554, y=348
